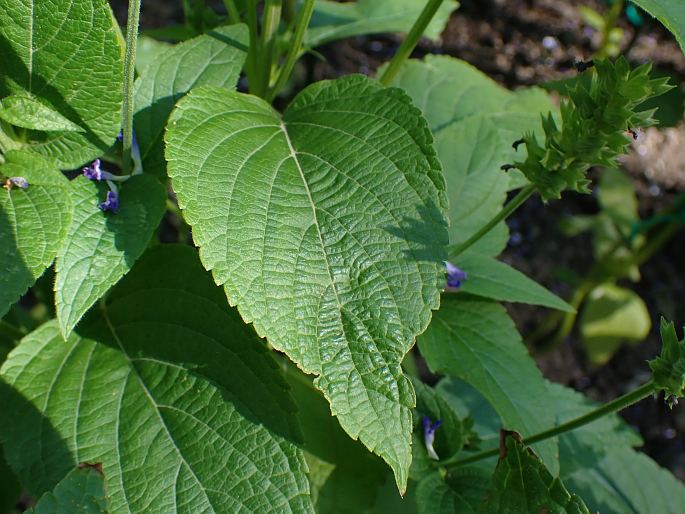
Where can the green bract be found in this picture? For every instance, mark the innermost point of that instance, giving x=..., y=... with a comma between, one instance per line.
x=595, y=121
x=669, y=367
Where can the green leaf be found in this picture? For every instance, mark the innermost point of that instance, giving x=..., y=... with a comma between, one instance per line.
x=33, y=223
x=101, y=247
x=584, y=447
x=611, y=316
x=671, y=13
x=326, y=228
x=475, y=122
x=333, y=20
x=82, y=491
x=523, y=485
x=25, y=111
x=490, y=278
x=476, y=341
x=461, y=491
x=168, y=389
x=10, y=490
x=344, y=477
x=669, y=367
x=65, y=54
x=628, y=482
x=213, y=59
x=148, y=51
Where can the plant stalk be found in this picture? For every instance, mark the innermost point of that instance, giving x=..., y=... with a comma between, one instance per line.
x=129, y=77
x=254, y=50
x=270, y=20
x=232, y=11
x=410, y=41
x=620, y=403
x=516, y=202
x=303, y=18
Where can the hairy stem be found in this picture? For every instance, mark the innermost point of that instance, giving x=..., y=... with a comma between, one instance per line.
x=301, y=25
x=129, y=76
x=507, y=210
x=410, y=41
x=611, y=407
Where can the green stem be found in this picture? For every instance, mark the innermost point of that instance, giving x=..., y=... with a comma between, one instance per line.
x=232, y=11
x=616, y=405
x=410, y=41
x=129, y=76
x=610, y=21
x=270, y=21
x=301, y=25
x=515, y=203
x=253, y=51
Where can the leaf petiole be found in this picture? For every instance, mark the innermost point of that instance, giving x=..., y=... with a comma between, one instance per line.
x=620, y=403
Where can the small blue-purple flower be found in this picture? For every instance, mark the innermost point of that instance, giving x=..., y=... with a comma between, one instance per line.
x=19, y=182
x=429, y=436
x=94, y=171
x=111, y=204
x=455, y=276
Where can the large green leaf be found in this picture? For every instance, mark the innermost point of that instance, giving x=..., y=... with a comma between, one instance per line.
x=82, y=491
x=523, y=485
x=334, y=20
x=344, y=477
x=475, y=122
x=168, y=389
x=326, y=228
x=33, y=223
x=460, y=491
x=101, y=247
x=66, y=54
x=669, y=12
x=628, y=482
x=215, y=59
x=476, y=341
x=490, y=278
x=10, y=490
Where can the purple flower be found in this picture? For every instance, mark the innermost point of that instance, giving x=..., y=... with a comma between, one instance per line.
x=111, y=203
x=429, y=436
x=455, y=276
x=93, y=172
x=120, y=136
x=19, y=182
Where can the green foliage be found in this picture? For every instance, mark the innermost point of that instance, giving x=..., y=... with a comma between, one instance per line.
x=66, y=55
x=523, y=485
x=669, y=367
x=628, y=481
x=490, y=278
x=669, y=12
x=476, y=341
x=27, y=112
x=102, y=247
x=213, y=59
x=142, y=388
x=33, y=223
x=332, y=237
x=333, y=20
x=81, y=490
x=612, y=315
x=461, y=491
x=475, y=121
x=594, y=122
